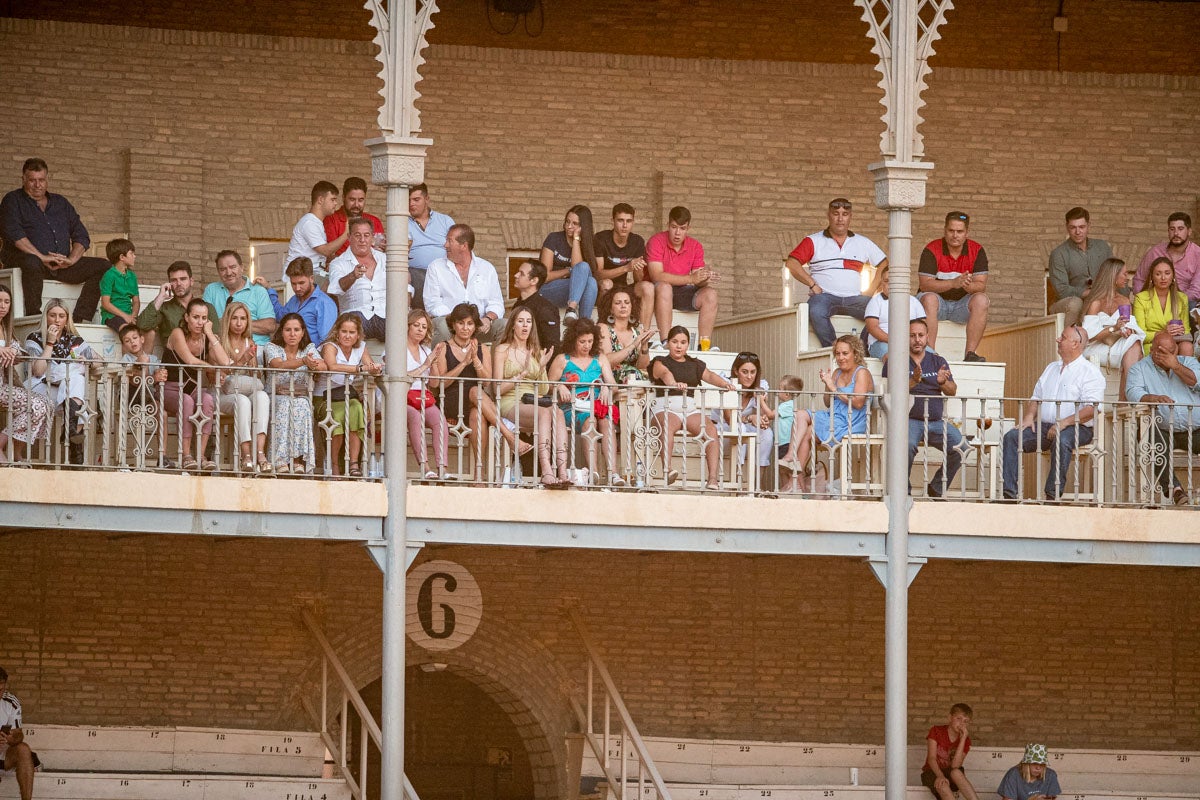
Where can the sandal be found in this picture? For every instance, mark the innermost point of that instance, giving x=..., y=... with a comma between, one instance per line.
x=431, y=475
x=247, y=465
x=190, y=464
x=210, y=466
x=672, y=476
x=356, y=471
x=264, y=466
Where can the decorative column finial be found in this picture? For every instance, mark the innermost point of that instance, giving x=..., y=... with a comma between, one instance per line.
x=400, y=28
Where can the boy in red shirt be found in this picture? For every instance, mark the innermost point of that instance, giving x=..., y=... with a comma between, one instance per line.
x=949, y=744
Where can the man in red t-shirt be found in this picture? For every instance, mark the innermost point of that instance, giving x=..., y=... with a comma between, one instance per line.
x=682, y=281
x=952, y=279
x=949, y=744
x=354, y=200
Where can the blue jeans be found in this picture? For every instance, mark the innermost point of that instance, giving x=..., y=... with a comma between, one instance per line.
x=944, y=437
x=1031, y=439
x=824, y=305
x=580, y=289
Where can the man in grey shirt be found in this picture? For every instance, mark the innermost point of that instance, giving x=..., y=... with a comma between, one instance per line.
x=1168, y=380
x=1073, y=265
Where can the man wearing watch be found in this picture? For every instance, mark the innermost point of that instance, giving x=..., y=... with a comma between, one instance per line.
x=682, y=281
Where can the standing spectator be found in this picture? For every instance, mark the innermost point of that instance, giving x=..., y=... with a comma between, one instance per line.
x=308, y=237
x=190, y=351
x=947, y=748
x=45, y=238
x=422, y=408
x=58, y=370
x=427, y=231
x=830, y=264
x=358, y=278
x=682, y=280
x=1114, y=336
x=233, y=285
x=1184, y=255
x=876, y=316
x=27, y=412
x=585, y=396
x=529, y=278
x=1162, y=306
x=293, y=359
x=621, y=256
x=1168, y=380
x=162, y=316
x=242, y=389
x=119, y=300
x=354, y=203
x=15, y=753
x=1059, y=416
x=1032, y=779
x=953, y=281
x=623, y=341
x=569, y=257
x=345, y=354
x=317, y=309
x=1074, y=264
x=463, y=277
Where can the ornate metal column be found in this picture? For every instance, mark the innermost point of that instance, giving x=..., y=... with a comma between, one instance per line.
x=397, y=162
x=904, y=32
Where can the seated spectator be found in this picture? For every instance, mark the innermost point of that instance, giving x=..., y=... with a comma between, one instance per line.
x=569, y=257
x=317, y=309
x=293, y=359
x=358, y=279
x=876, y=316
x=848, y=390
x=1032, y=779
x=354, y=204
x=242, y=389
x=755, y=414
x=624, y=342
x=929, y=380
x=682, y=282
x=519, y=364
x=190, y=351
x=1074, y=265
x=422, y=409
x=14, y=752
x=680, y=374
x=338, y=399
x=1114, y=336
x=463, y=277
x=134, y=353
x=1059, y=416
x=234, y=285
x=162, y=316
x=830, y=264
x=44, y=237
x=1161, y=306
x=584, y=395
x=58, y=370
x=528, y=279
x=1168, y=380
x=790, y=387
x=621, y=255
x=953, y=283
x=947, y=748
x=308, y=237
x=119, y=299
x=1184, y=255
x=28, y=412
x=427, y=231
x=460, y=365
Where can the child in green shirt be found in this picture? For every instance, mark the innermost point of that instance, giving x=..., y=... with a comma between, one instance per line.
x=119, y=301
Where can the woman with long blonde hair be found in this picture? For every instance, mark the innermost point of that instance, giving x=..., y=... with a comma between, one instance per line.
x=242, y=388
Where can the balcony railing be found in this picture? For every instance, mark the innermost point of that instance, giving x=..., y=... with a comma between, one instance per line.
x=116, y=416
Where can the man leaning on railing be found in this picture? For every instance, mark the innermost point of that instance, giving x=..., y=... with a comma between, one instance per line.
x=1168, y=380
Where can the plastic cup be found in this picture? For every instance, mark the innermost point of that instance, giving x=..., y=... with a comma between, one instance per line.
x=1125, y=311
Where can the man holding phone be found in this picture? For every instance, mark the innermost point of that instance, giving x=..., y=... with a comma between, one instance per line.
x=17, y=755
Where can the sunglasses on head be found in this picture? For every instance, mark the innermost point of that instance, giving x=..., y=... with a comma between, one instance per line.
x=846, y=204
x=959, y=216
x=747, y=356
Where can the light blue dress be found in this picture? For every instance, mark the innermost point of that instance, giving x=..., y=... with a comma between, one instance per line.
x=845, y=419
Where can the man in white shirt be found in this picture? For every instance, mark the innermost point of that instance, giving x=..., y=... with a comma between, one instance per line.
x=15, y=754
x=358, y=280
x=463, y=277
x=308, y=237
x=1059, y=417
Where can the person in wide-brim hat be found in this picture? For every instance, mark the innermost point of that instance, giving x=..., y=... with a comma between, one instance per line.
x=1032, y=779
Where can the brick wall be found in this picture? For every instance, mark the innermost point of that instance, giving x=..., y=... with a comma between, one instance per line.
x=1114, y=36
x=181, y=630
x=236, y=129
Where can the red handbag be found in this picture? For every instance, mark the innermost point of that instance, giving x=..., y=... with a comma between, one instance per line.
x=421, y=399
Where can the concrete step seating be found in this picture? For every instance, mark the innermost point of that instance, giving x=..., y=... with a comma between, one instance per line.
x=155, y=763
x=779, y=766
x=951, y=340
x=757, y=792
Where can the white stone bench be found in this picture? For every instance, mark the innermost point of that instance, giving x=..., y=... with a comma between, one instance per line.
x=156, y=749
x=132, y=786
x=951, y=341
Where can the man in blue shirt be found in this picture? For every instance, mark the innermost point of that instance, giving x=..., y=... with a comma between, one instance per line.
x=427, y=231
x=233, y=285
x=1168, y=380
x=45, y=239
x=316, y=308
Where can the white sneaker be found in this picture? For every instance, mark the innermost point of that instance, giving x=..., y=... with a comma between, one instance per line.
x=659, y=347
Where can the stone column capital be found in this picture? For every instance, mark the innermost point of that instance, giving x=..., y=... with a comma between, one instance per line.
x=397, y=160
x=900, y=184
